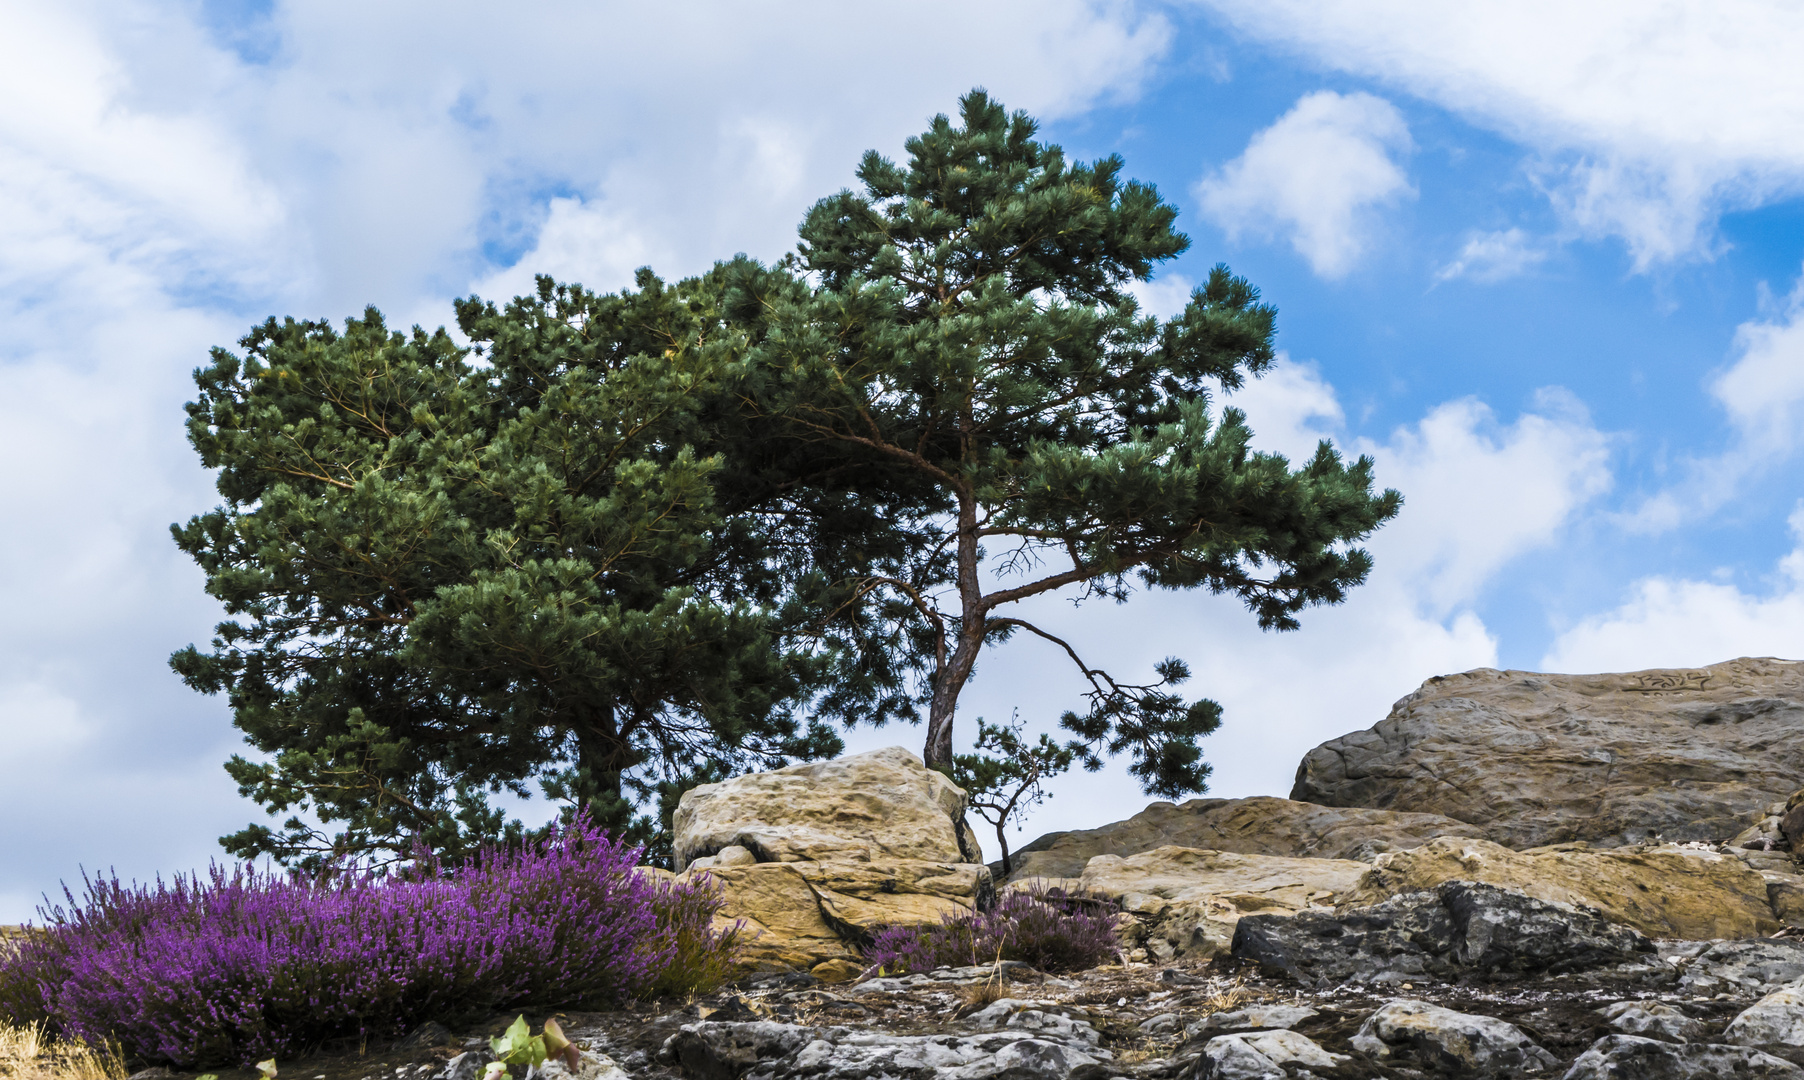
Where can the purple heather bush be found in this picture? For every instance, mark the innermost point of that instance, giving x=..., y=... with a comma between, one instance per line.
x=242, y=965
x=1047, y=927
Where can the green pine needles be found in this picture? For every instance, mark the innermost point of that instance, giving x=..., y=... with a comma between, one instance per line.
x=637, y=542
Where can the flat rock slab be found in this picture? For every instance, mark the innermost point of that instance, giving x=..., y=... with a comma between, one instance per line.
x=1257, y=826
x=1615, y=759
x=1665, y=892
x=1622, y=1057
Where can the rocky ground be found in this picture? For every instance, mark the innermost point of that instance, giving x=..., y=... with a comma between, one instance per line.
x=1673, y=1011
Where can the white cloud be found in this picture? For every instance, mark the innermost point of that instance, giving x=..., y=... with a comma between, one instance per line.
x=1315, y=176
x=1493, y=256
x=1762, y=391
x=1683, y=622
x=1651, y=118
x=163, y=193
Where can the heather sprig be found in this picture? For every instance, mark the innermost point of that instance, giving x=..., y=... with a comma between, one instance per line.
x=1046, y=927
x=243, y=964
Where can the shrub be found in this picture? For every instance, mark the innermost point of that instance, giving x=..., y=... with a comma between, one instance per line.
x=244, y=965
x=701, y=958
x=1049, y=928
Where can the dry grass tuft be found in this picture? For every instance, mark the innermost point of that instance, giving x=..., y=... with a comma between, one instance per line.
x=987, y=992
x=1228, y=1000
x=27, y=1054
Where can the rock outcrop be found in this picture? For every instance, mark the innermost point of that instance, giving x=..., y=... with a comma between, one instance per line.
x=1461, y=928
x=880, y=805
x=1257, y=826
x=1187, y=902
x=813, y=858
x=1668, y=892
x=1615, y=759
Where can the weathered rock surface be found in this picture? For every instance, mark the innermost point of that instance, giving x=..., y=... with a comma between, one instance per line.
x=1655, y=1020
x=1611, y=759
x=1459, y=928
x=763, y=1049
x=801, y=914
x=1667, y=892
x=880, y=805
x=1630, y=1057
x=1775, y=1020
x=1708, y=968
x=1262, y=1055
x=1452, y=1042
x=1187, y=901
x=1251, y=1018
x=1257, y=826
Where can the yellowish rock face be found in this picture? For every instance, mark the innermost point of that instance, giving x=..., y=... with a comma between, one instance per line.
x=1667, y=892
x=876, y=806
x=1190, y=899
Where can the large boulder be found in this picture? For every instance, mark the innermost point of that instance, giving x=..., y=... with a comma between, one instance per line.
x=1611, y=759
x=881, y=805
x=1261, y=825
x=1187, y=901
x=811, y=860
x=1668, y=892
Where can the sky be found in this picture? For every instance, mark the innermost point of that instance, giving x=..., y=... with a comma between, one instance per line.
x=1544, y=262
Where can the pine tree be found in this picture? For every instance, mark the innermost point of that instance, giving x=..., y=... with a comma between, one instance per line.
x=968, y=327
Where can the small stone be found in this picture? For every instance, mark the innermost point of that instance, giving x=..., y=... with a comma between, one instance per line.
x=1654, y=1019
x=1251, y=1018
x=1262, y=1056
x=836, y=971
x=1163, y=1024
x=468, y=1065
x=1460, y=1043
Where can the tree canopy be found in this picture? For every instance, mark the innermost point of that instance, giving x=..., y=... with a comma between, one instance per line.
x=969, y=325
x=622, y=544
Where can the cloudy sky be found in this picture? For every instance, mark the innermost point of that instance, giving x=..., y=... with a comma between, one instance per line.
x=1541, y=260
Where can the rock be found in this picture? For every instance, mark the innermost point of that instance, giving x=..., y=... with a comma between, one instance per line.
x=1191, y=899
x=468, y=1065
x=837, y=971
x=1775, y=1020
x=1251, y=1018
x=1161, y=1025
x=431, y=1033
x=801, y=914
x=1458, y=928
x=1662, y=892
x=771, y=1051
x=1454, y=1042
x=880, y=805
x=1654, y=1019
x=1630, y=1057
x=1791, y=821
x=590, y=1066
x=1740, y=967
x=731, y=855
x=1255, y=826
x=1261, y=1056
x=1610, y=759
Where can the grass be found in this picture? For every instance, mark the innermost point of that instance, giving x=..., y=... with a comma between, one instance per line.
x=26, y=1053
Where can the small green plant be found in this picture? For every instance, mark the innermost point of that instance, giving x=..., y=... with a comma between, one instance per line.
x=518, y=1046
x=1002, y=786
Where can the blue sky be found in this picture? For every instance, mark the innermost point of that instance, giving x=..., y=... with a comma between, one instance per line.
x=1541, y=260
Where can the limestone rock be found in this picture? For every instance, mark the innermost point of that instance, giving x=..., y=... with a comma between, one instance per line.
x=1262, y=1055
x=1610, y=759
x=1617, y=1057
x=802, y=914
x=1191, y=899
x=773, y=1051
x=1739, y=967
x=880, y=805
x=1775, y=1020
x=1255, y=826
x=590, y=1066
x=1460, y=927
x=1453, y=1042
x=1667, y=892
x=1654, y=1019
x=1252, y=1018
